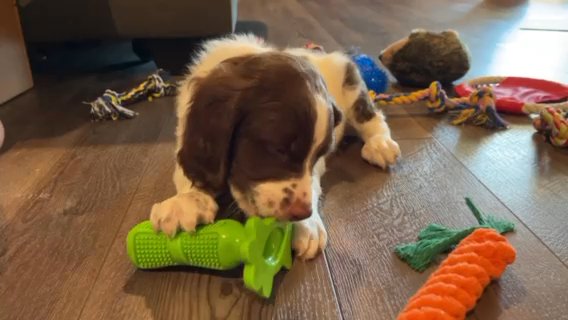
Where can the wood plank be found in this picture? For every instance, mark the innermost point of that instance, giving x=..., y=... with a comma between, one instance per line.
x=34, y=144
x=307, y=292
x=55, y=244
x=369, y=212
x=288, y=23
x=373, y=25
x=122, y=292
x=43, y=125
x=306, y=27
x=522, y=170
x=547, y=15
x=516, y=58
x=74, y=185
x=488, y=28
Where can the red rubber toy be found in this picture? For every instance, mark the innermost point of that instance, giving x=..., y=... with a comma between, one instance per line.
x=518, y=95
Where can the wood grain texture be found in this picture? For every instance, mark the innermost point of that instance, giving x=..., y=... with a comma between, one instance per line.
x=292, y=24
x=41, y=125
x=489, y=28
x=122, y=292
x=75, y=188
x=520, y=168
x=55, y=242
x=369, y=212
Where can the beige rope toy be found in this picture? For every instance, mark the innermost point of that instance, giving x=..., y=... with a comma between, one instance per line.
x=111, y=105
x=478, y=108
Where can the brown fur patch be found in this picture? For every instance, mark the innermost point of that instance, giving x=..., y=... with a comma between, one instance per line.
x=242, y=126
x=288, y=191
x=363, y=108
x=270, y=204
x=337, y=115
x=325, y=146
x=352, y=77
x=285, y=203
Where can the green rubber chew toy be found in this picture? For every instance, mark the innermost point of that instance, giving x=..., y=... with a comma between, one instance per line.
x=263, y=245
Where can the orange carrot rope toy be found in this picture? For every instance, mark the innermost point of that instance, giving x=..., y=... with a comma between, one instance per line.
x=454, y=288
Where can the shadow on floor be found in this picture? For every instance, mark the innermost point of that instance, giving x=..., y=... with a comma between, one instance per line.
x=184, y=286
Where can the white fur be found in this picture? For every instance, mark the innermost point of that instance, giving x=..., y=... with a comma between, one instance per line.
x=379, y=148
x=180, y=211
x=271, y=192
x=190, y=206
x=184, y=210
x=310, y=236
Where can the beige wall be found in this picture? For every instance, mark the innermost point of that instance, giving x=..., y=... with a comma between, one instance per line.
x=15, y=75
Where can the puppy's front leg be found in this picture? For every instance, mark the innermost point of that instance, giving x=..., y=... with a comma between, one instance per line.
x=310, y=236
x=379, y=149
x=184, y=210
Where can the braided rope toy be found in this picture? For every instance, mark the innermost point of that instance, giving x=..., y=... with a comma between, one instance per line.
x=553, y=124
x=519, y=95
x=478, y=108
x=110, y=106
x=453, y=289
x=436, y=239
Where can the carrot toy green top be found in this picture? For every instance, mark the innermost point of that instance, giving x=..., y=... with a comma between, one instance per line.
x=454, y=288
x=436, y=239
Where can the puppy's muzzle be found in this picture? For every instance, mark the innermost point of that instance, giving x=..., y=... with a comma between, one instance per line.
x=299, y=210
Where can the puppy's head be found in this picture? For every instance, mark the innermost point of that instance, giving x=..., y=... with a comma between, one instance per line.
x=258, y=124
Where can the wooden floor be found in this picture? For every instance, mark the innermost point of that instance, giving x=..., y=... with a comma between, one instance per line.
x=70, y=190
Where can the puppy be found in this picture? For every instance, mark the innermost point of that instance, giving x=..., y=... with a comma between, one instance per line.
x=259, y=122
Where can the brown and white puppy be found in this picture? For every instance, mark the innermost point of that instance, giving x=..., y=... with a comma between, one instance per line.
x=259, y=122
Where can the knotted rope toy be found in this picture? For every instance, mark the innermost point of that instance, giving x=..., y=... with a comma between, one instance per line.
x=553, y=124
x=111, y=105
x=263, y=245
x=519, y=95
x=454, y=288
x=478, y=108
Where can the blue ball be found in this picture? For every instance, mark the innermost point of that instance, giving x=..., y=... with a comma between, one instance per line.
x=375, y=78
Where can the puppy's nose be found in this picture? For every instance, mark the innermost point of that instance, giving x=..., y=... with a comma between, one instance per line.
x=299, y=210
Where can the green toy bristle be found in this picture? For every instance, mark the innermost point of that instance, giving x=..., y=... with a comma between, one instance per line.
x=203, y=251
x=148, y=249
x=263, y=245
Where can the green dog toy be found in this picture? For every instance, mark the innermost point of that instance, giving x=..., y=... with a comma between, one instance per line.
x=263, y=245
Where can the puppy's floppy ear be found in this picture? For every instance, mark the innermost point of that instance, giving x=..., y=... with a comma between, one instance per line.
x=209, y=125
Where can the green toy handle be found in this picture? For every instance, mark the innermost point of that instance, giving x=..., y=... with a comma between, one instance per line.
x=263, y=245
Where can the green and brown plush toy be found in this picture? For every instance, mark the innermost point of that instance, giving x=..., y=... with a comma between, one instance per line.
x=424, y=57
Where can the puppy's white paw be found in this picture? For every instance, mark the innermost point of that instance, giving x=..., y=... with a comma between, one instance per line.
x=185, y=211
x=310, y=237
x=381, y=151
